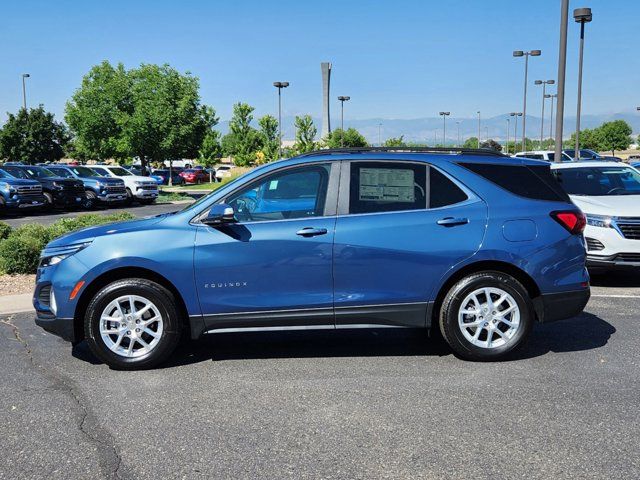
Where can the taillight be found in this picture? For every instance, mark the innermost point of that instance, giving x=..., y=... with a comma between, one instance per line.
x=573, y=220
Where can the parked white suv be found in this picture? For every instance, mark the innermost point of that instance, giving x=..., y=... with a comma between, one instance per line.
x=223, y=171
x=609, y=194
x=547, y=155
x=143, y=189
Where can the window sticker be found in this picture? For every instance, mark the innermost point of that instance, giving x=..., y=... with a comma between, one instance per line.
x=386, y=184
x=273, y=185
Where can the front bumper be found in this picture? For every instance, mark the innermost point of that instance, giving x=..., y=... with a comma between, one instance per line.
x=617, y=261
x=62, y=327
x=558, y=306
x=112, y=197
x=145, y=193
x=67, y=198
x=29, y=202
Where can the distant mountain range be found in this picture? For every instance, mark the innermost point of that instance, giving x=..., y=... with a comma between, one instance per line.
x=428, y=128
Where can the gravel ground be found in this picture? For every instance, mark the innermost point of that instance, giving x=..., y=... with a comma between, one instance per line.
x=15, y=284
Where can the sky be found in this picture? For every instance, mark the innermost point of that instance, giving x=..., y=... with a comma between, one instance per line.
x=397, y=60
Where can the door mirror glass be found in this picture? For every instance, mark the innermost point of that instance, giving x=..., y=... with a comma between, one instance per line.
x=220, y=214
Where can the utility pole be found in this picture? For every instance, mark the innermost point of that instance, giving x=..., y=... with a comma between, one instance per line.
x=562, y=67
x=280, y=86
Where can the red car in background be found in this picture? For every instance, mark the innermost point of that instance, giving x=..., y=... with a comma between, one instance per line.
x=193, y=175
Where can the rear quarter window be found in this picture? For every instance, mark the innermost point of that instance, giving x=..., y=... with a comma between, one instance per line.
x=529, y=181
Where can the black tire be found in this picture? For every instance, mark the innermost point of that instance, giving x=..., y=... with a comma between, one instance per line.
x=165, y=302
x=91, y=200
x=48, y=206
x=129, y=199
x=448, y=315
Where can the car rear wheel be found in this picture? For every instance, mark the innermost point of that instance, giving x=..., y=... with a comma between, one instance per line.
x=129, y=199
x=486, y=315
x=48, y=201
x=133, y=324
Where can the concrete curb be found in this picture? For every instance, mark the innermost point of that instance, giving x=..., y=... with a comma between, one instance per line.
x=16, y=303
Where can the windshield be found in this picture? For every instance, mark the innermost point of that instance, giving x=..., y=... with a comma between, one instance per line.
x=120, y=172
x=85, y=172
x=39, y=172
x=16, y=172
x=584, y=153
x=61, y=172
x=102, y=171
x=4, y=174
x=599, y=181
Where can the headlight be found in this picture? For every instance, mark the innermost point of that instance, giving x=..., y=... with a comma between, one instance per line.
x=139, y=184
x=54, y=255
x=599, y=221
x=58, y=185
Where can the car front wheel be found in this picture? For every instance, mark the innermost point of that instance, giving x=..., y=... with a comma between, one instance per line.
x=486, y=315
x=132, y=324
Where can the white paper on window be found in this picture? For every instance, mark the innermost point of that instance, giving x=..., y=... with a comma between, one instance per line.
x=386, y=184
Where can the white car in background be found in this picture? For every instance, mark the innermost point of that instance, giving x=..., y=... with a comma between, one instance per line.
x=143, y=189
x=223, y=171
x=547, y=155
x=609, y=195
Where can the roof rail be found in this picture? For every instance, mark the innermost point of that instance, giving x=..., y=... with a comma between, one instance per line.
x=453, y=150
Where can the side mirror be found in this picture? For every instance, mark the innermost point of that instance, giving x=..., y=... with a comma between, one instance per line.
x=220, y=214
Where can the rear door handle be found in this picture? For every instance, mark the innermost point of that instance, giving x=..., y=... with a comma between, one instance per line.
x=452, y=222
x=311, y=232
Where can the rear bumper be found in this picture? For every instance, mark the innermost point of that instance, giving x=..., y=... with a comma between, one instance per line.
x=62, y=327
x=558, y=306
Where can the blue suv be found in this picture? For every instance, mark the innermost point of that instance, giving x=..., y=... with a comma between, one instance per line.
x=475, y=244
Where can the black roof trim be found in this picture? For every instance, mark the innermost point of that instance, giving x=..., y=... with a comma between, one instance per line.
x=453, y=150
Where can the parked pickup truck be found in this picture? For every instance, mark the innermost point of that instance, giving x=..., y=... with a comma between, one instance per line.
x=57, y=191
x=142, y=189
x=97, y=189
x=19, y=193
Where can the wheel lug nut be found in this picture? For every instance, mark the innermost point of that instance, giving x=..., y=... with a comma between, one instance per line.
x=137, y=321
x=137, y=329
x=486, y=324
x=128, y=332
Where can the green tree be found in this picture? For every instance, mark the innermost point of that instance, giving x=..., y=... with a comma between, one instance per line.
x=152, y=112
x=589, y=138
x=269, y=133
x=243, y=141
x=210, y=151
x=306, y=133
x=614, y=136
x=395, y=142
x=96, y=110
x=491, y=143
x=33, y=136
x=471, y=142
x=347, y=138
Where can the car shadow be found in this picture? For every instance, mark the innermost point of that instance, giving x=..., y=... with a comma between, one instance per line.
x=584, y=332
x=615, y=279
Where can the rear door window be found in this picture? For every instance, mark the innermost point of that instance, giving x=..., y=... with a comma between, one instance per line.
x=387, y=187
x=442, y=191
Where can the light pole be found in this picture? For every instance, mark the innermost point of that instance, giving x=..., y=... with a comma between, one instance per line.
x=280, y=86
x=526, y=55
x=478, y=112
x=486, y=134
x=581, y=16
x=342, y=100
x=544, y=84
x=551, y=96
x=458, y=127
x=24, y=90
x=444, y=127
x=562, y=67
x=507, y=142
x=515, y=130
x=379, y=137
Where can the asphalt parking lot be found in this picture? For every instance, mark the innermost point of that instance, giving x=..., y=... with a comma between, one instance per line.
x=47, y=218
x=358, y=404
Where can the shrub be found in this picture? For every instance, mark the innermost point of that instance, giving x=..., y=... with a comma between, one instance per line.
x=20, y=251
x=5, y=230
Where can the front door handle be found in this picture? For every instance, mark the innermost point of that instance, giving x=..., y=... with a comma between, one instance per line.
x=311, y=232
x=452, y=222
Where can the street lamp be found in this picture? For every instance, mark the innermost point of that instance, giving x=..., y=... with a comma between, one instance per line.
x=379, y=137
x=507, y=142
x=551, y=96
x=280, y=86
x=24, y=90
x=478, y=112
x=458, y=126
x=444, y=127
x=342, y=100
x=544, y=84
x=486, y=134
x=581, y=16
x=515, y=130
x=526, y=55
